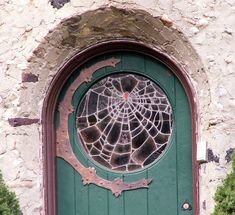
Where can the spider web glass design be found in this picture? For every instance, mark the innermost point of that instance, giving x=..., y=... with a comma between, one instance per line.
x=124, y=122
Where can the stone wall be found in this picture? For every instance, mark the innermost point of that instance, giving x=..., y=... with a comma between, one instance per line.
x=36, y=39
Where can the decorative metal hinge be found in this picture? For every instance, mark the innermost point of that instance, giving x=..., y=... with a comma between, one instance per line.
x=64, y=149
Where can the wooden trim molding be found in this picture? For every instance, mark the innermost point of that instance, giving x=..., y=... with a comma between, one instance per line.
x=50, y=103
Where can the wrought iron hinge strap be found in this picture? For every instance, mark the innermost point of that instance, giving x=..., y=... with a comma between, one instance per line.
x=63, y=146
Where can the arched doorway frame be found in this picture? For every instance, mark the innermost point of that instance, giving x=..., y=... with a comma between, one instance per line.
x=50, y=102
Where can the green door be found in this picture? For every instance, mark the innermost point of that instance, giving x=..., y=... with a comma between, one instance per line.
x=126, y=115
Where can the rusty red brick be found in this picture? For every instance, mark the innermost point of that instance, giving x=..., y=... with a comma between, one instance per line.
x=29, y=77
x=15, y=122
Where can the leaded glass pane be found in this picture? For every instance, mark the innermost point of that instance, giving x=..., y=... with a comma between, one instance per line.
x=124, y=122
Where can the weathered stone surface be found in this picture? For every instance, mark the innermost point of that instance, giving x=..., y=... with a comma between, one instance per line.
x=37, y=38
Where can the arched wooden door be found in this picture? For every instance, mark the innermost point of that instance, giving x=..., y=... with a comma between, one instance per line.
x=126, y=115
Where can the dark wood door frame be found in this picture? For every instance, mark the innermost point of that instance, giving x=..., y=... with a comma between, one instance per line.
x=50, y=102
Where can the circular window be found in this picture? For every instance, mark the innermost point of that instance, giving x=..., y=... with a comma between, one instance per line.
x=124, y=122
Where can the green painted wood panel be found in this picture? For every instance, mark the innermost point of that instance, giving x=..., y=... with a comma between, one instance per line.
x=184, y=148
x=116, y=205
x=98, y=196
x=65, y=188
x=171, y=174
x=136, y=201
x=162, y=195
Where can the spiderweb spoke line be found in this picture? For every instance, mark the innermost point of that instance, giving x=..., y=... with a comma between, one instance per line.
x=97, y=106
x=130, y=135
x=109, y=112
x=136, y=149
x=140, y=122
x=142, y=125
x=140, y=99
x=102, y=94
x=157, y=93
x=104, y=109
x=119, y=80
x=87, y=103
x=105, y=140
x=117, y=92
x=114, y=120
x=128, y=122
x=157, y=90
x=154, y=100
x=137, y=91
x=150, y=94
x=134, y=107
x=84, y=106
x=118, y=142
x=161, y=120
x=148, y=120
x=154, y=152
x=143, y=88
x=82, y=111
x=141, y=105
x=96, y=88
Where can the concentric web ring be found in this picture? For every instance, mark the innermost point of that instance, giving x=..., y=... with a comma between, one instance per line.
x=124, y=122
